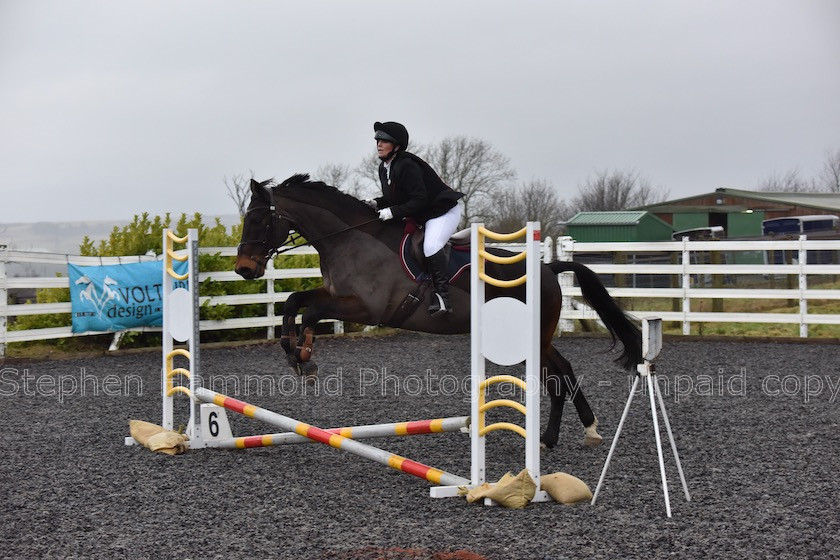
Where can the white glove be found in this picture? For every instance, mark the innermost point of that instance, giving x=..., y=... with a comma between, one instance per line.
x=371, y=202
x=386, y=214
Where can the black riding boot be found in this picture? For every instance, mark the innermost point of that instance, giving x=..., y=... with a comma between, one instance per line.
x=437, y=269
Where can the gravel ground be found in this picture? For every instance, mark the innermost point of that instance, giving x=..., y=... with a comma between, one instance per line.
x=755, y=423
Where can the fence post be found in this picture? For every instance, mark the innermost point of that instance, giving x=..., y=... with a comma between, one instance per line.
x=564, y=249
x=269, y=289
x=803, y=286
x=686, y=285
x=716, y=258
x=4, y=299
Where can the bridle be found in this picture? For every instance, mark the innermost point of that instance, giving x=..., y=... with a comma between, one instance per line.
x=270, y=252
x=291, y=241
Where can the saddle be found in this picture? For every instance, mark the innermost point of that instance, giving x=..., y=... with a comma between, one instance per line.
x=414, y=265
x=414, y=262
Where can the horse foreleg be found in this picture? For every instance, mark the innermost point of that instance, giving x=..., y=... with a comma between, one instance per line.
x=324, y=306
x=289, y=333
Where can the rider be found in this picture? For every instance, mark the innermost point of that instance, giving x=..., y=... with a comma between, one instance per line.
x=412, y=189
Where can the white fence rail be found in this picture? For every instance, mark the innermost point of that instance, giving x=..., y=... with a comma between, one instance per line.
x=689, y=275
x=679, y=264
x=269, y=297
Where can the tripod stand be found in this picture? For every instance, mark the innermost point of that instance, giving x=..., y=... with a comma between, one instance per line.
x=651, y=346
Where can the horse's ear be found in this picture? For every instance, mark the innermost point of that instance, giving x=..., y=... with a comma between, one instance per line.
x=259, y=190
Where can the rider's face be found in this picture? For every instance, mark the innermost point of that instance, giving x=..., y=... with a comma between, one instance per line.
x=383, y=147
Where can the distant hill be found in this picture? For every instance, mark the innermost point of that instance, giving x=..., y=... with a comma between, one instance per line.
x=66, y=237
x=63, y=238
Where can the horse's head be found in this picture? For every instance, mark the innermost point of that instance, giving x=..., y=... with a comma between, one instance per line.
x=263, y=231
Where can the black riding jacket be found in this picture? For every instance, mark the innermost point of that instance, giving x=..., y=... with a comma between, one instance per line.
x=415, y=190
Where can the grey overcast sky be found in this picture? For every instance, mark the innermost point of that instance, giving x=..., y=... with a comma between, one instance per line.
x=108, y=109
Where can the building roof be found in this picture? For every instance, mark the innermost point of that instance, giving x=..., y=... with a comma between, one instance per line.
x=829, y=201
x=620, y=218
x=821, y=200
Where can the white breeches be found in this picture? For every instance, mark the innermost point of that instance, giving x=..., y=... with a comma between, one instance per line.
x=440, y=229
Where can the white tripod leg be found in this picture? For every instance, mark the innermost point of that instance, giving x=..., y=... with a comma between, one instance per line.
x=615, y=440
x=651, y=384
x=673, y=443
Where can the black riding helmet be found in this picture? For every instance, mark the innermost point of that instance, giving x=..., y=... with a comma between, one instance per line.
x=392, y=132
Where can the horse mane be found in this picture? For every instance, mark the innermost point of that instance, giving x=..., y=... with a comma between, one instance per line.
x=329, y=195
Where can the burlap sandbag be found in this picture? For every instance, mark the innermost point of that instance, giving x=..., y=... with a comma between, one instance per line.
x=513, y=492
x=157, y=439
x=565, y=488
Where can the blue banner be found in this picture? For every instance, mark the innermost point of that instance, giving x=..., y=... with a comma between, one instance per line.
x=120, y=296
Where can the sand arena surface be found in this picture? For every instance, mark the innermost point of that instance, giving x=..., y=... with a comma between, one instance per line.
x=756, y=427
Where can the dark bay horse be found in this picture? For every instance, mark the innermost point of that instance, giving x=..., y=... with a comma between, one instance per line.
x=364, y=282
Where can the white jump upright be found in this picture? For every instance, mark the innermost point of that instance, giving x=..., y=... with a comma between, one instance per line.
x=651, y=346
x=180, y=311
x=180, y=324
x=504, y=331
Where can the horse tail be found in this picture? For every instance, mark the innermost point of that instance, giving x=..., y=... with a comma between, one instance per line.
x=613, y=317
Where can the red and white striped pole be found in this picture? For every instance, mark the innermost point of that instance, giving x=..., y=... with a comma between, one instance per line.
x=370, y=431
x=431, y=474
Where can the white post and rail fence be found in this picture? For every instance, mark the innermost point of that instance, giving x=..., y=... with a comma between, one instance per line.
x=685, y=274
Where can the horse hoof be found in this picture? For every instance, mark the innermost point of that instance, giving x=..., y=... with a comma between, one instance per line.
x=593, y=440
x=591, y=437
x=309, y=371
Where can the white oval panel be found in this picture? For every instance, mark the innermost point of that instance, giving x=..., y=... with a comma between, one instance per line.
x=179, y=313
x=504, y=332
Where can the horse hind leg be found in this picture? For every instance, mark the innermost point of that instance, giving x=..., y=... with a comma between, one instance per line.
x=591, y=437
x=556, y=390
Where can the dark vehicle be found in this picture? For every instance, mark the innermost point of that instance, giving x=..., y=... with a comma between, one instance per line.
x=799, y=224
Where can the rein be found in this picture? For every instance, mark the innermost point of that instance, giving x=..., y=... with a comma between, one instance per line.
x=292, y=238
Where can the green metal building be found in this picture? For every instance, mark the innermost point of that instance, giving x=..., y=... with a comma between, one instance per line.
x=741, y=212
x=629, y=225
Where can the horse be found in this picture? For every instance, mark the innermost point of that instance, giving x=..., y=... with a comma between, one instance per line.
x=364, y=281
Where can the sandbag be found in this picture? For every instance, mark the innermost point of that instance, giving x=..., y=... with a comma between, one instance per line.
x=565, y=488
x=513, y=492
x=156, y=438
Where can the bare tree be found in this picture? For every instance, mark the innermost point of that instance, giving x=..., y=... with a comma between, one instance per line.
x=471, y=166
x=829, y=179
x=342, y=177
x=788, y=182
x=239, y=190
x=618, y=190
x=535, y=200
x=366, y=176
x=468, y=165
